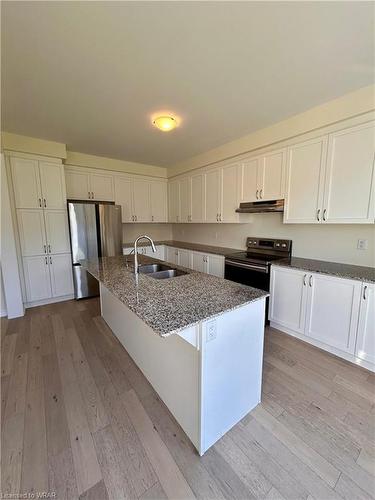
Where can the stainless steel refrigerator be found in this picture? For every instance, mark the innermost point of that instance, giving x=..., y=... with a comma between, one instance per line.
x=95, y=231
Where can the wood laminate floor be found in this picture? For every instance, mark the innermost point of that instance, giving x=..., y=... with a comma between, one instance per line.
x=79, y=420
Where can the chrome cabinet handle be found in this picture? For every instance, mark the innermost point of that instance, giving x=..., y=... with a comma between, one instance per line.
x=49, y=248
x=50, y=260
x=304, y=279
x=261, y=194
x=45, y=203
x=152, y=218
x=220, y=219
x=256, y=194
x=318, y=215
x=310, y=280
x=45, y=258
x=45, y=248
x=92, y=195
x=177, y=218
x=324, y=214
x=365, y=292
x=40, y=202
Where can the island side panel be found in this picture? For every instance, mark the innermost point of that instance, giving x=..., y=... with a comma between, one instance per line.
x=170, y=364
x=232, y=360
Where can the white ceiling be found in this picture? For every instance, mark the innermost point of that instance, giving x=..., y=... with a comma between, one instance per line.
x=90, y=74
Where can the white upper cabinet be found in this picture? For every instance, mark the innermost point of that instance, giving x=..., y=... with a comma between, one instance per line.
x=332, y=311
x=349, y=183
x=305, y=175
x=77, y=185
x=53, y=185
x=271, y=176
x=174, y=201
x=26, y=183
x=249, y=180
x=158, y=201
x=197, y=213
x=213, y=195
x=185, y=199
x=31, y=232
x=57, y=232
x=230, y=184
x=101, y=187
x=124, y=197
x=141, y=201
x=365, y=345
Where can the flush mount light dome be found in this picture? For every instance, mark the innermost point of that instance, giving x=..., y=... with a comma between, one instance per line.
x=165, y=123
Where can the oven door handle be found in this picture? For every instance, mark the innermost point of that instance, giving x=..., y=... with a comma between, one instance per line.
x=254, y=267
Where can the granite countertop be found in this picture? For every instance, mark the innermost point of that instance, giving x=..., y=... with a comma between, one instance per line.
x=360, y=273
x=189, y=246
x=170, y=305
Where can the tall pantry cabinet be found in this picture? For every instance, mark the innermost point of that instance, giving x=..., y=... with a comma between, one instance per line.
x=40, y=205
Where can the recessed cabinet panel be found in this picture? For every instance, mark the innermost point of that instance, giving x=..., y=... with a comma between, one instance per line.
x=215, y=265
x=124, y=197
x=158, y=200
x=272, y=176
x=61, y=274
x=249, y=181
x=199, y=262
x=53, y=185
x=332, y=311
x=77, y=185
x=230, y=183
x=174, y=201
x=57, y=231
x=197, y=198
x=172, y=255
x=37, y=278
x=213, y=190
x=141, y=201
x=184, y=258
x=365, y=346
x=26, y=183
x=350, y=175
x=288, y=298
x=101, y=187
x=31, y=232
x=185, y=199
x=305, y=177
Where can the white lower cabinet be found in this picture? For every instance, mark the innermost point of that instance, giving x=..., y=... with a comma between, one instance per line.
x=31, y=232
x=184, y=258
x=171, y=255
x=199, y=262
x=37, y=278
x=61, y=275
x=365, y=345
x=215, y=265
x=334, y=313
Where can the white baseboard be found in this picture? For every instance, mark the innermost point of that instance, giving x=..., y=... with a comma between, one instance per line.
x=325, y=347
x=3, y=312
x=48, y=301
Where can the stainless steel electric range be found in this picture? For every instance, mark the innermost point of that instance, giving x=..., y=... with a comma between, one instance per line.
x=253, y=267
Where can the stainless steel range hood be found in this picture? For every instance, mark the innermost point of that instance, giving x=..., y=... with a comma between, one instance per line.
x=261, y=207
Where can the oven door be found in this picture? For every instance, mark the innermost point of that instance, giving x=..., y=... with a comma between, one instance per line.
x=256, y=275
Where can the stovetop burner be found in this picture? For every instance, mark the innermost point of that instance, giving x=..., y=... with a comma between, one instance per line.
x=255, y=257
x=263, y=251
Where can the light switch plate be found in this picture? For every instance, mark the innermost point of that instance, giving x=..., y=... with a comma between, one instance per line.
x=362, y=244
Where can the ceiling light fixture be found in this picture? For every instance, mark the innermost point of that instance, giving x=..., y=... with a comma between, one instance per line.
x=165, y=123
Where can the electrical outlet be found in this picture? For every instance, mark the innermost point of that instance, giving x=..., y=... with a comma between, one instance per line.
x=362, y=244
x=211, y=331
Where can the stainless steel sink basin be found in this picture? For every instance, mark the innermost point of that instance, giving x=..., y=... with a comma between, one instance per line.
x=152, y=268
x=167, y=273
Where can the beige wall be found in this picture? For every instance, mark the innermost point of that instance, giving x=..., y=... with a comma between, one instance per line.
x=330, y=242
x=156, y=231
x=24, y=144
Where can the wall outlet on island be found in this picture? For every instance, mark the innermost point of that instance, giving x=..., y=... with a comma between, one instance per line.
x=211, y=331
x=362, y=244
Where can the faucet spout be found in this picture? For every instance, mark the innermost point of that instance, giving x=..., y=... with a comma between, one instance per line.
x=136, y=266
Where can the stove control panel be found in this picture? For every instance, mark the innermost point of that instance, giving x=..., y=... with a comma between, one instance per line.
x=269, y=244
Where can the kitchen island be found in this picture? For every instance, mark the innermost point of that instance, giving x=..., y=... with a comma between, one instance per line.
x=197, y=338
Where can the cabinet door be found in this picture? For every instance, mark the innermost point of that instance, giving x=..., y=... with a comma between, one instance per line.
x=230, y=183
x=53, y=185
x=26, y=183
x=365, y=346
x=349, y=186
x=174, y=201
x=31, y=232
x=101, y=187
x=271, y=182
x=57, y=232
x=305, y=180
x=197, y=198
x=288, y=294
x=124, y=197
x=159, y=254
x=61, y=275
x=249, y=180
x=141, y=201
x=215, y=265
x=172, y=255
x=185, y=199
x=184, y=258
x=199, y=262
x=37, y=278
x=77, y=185
x=332, y=311
x=213, y=194
x=158, y=200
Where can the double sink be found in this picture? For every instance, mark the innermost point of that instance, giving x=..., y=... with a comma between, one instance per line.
x=160, y=271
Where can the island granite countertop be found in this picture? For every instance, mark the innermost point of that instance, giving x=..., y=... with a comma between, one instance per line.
x=360, y=273
x=170, y=305
x=188, y=246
